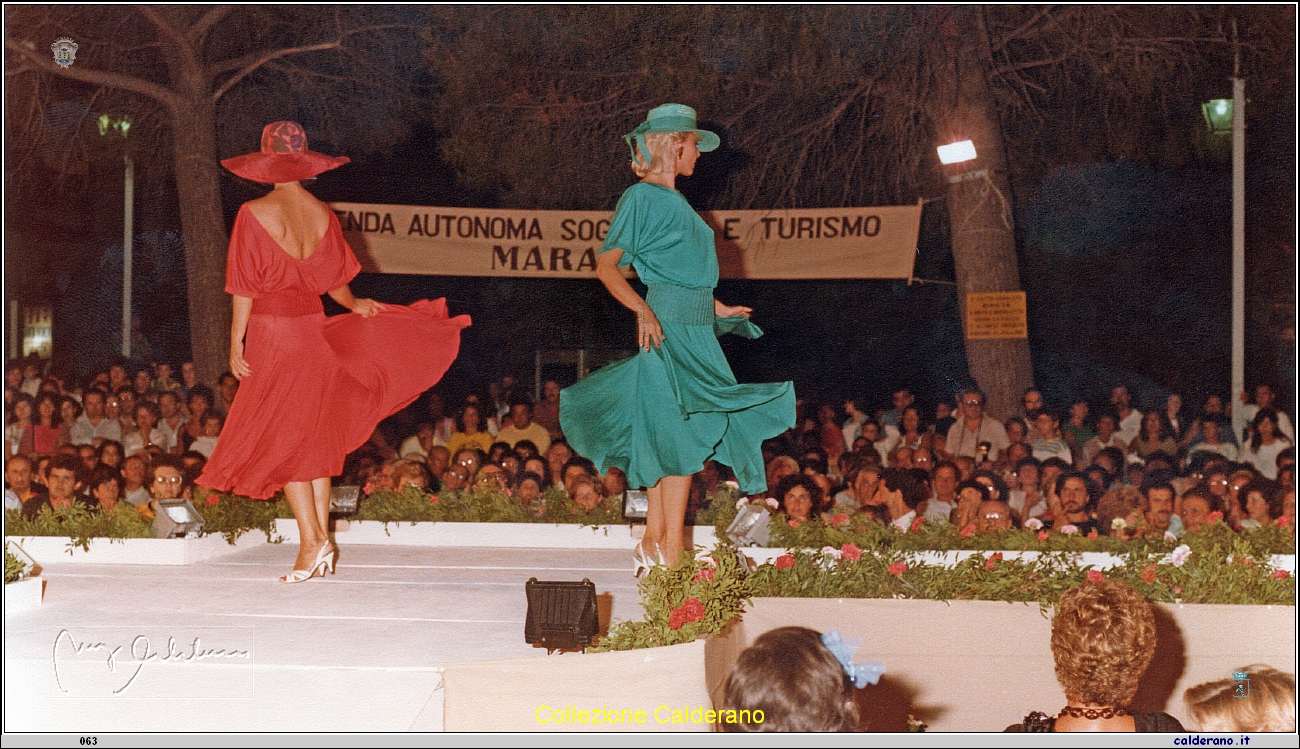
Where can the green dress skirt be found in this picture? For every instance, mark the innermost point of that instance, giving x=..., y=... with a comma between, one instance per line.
x=666, y=411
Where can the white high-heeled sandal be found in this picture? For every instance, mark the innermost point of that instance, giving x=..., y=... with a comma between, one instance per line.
x=324, y=563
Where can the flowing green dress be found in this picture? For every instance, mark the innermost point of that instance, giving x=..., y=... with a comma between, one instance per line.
x=666, y=411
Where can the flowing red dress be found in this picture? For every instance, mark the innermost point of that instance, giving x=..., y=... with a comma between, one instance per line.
x=318, y=385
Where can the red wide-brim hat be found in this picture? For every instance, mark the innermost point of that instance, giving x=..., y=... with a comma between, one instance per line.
x=284, y=157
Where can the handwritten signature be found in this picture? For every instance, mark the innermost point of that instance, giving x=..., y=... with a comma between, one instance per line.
x=137, y=654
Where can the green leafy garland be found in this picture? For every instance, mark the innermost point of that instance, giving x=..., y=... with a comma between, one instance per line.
x=483, y=505
x=14, y=568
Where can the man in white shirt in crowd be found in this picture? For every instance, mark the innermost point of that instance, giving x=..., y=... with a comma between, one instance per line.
x=1264, y=398
x=975, y=434
x=172, y=420
x=93, y=427
x=1128, y=418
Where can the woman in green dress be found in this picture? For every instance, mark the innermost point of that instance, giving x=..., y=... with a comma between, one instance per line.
x=661, y=414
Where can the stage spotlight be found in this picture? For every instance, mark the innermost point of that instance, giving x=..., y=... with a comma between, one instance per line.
x=344, y=500
x=561, y=615
x=750, y=526
x=175, y=518
x=636, y=503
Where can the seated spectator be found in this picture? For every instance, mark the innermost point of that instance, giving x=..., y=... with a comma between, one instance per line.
x=89, y=457
x=171, y=421
x=1105, y=438
x=976, y=435
x=587, y=492
x=799, y=497
x=1288, y=505
x=998, y=489
x=526, y=448
x=614, y=482
x=62, y=483
x=135, y=479
x=861, y=488
x=522, y=427
x=877, y=439
x=19, y=487
x=1103, y=640
x=198, y=400
x=557, y=456
x=1050, y=444
x=164, y=383
x=1266, y=442
x=778, y=468
x=796, y=683
x=1265, y=704
x=911, y=434
x=994, y=516
x=212, y=424
x=814, y=461
x=455, y=478
x=194, y=461
x=1027, y=501
x=970, y=495
x=410, y=473
x=547, y=412
x=1195, y=508
x=1212, y=431
x=491, y=477
x=923, y=459
x=1262, y=504
x=1153, y=438
x=941, y=503
x=471, y=459
x=167, y=479
x=227, y=386
x=18, y=427
x=1074, y=500
x=1075, y=431
x=46, y=425
x=576, y=467
x=527, y=489
x=1231, y=503
x=1157, y=506
x=104, y=488
x=437, y=462
x=123, y=401
x=110, y=454
x=146, y=432
x=418, y=444
x=899, y=493
x=469, y=432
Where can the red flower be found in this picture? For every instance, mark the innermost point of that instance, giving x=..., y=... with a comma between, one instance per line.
x=1247, y=561
x=1280, y=574
x=369, y=488
x=795, y=523
x=840, y=519
x=704, y=575
x=1283, y=521
x=916, y=524
x=1216, y=516
x=434, y=499
x=992, y=561
x=1148, y=575
x=1095, y=576
x=1178, y=589
x=897, y=569
x=965, y=532
x=850, y=552
x=212, y=499
x=1091, y=534
x=785, y=561
x=691, y=610
x=1042, y=535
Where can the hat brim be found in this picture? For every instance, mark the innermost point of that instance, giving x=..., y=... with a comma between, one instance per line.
x=707, y=139
x=270, y=168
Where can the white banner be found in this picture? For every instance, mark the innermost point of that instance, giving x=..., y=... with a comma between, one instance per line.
x=805, y=243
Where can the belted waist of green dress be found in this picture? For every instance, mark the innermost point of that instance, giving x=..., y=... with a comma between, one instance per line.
x=681, y=305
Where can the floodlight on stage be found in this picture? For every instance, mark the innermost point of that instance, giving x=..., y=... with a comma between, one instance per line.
x=175, y=518
x=636, y=504
x=1218, y=115
x=955, y=153
x=561, y=615
x=750, y=528
x=344, y=500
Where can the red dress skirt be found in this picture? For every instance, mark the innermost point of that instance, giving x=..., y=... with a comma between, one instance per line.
x=318, y=386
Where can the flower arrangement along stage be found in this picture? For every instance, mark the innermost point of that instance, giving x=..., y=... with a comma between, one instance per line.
x=225, y=514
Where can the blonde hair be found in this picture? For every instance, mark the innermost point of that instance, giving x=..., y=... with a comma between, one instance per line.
x=1269, y=705
x=1103, y=639
x=664, y=148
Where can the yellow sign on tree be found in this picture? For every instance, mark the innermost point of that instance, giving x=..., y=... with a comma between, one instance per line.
x=997, y=315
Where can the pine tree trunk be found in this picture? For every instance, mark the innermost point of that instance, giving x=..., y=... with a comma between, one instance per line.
x=980, y=213
x=199, y=187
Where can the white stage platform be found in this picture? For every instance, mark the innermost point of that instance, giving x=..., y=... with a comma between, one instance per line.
x=358, y=651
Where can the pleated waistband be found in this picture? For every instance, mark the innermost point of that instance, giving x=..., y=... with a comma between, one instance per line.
x=288, y=304
x=678, y=304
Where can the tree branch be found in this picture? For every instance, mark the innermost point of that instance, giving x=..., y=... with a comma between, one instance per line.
x=257, y=61
x=199, y=31
x=180, y=49
x=96, y=77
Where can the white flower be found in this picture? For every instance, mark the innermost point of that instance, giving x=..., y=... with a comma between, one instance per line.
x=1118, y=524
x=1180, y=555
x=732, y=484
x=832, y=551
x=1033, y=524
x=740, y=503
x=1069, y=530
x=1169, y=536
x=771, y=502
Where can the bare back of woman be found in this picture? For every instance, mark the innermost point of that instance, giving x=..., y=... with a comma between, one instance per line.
x=293, y=217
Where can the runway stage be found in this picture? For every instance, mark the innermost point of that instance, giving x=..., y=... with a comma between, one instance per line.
x=113, y=647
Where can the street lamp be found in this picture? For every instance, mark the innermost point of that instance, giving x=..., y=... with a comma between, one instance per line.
x=955, y=153
x=111, y=126
x=1224, y=116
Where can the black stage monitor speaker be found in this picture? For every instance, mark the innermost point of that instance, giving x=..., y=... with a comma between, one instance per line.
x=561, y=614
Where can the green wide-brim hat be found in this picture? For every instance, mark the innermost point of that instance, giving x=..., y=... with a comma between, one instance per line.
x=670, y=118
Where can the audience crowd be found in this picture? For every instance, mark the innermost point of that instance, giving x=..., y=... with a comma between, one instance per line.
x=1121, y=473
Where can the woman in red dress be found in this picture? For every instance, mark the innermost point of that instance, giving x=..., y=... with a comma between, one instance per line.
x=311, y=389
